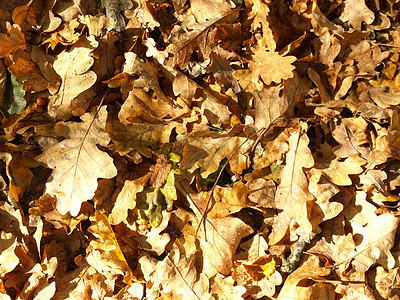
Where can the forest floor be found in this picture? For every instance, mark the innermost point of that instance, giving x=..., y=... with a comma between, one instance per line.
x=173, y=149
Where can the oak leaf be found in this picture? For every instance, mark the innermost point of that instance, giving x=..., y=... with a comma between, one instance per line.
x=205, y=10
x=77, y=162
x=271, y=66
x=219, y=237
x=378, y=238
x=292, y=194
x=15, y=41
x=195, y=36
x=126, y=200
x=206, y=149
x=228, y=201
x=73, y=68
x=356, y=12
x=143, y=137
x=27, y=15
x=177, y=274
x=223, y=288
x=310, y=269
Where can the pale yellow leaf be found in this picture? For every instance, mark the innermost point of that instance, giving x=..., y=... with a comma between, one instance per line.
x=77, y=163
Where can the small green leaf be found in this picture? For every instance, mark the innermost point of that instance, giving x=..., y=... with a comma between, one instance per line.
x=14, y=102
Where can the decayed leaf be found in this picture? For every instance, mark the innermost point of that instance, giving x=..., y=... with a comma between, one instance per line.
x=271, y=66
x=104, y=254
x=292, y=194
x=206, y=149
x=77, y=162
x=73, y=68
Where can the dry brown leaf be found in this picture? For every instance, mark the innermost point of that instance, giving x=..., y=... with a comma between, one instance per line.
x=356, y=12
x=223, y=288
x=12, y=42
x=143, y=137
x=177, y=274
x=259, y=16
x=292, y=194
x=377, y=241
x=206, y=149
x=338, y=171
x=205, y=10
x=386, y=144
x=310, y=269
x=27, y=15
x=228, y=201
x=77, y=162
x=219, y=237
x=126, y=200
x=271, y=66
x=73, y=68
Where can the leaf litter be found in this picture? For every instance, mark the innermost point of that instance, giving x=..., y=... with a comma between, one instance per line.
x=199, y=149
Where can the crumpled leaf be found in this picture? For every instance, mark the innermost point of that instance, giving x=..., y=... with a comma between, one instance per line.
x=77, y=162
x=73, y=68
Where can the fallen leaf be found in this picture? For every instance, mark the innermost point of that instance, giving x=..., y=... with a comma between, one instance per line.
x=271, y=66
x=176, y=274
x=206, y=149
x=292, y=194
x=15, y=41
x=77, y=162
x=73, y=68
x=356, y=12
x=104, y=254
x=377, y=240
x=223, y=288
